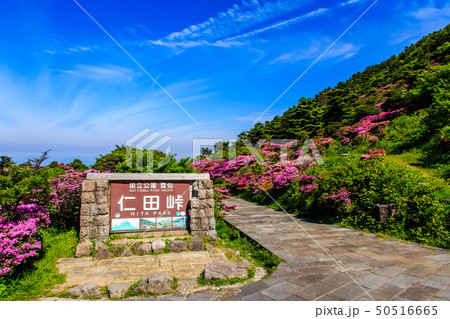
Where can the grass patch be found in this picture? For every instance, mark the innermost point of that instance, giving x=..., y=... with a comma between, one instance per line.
x=166, y=249
x=37, y=279
x=412, y=160
x=135, y=236
x=132, y=293
x=115, y=236
x=104, y=290
x=133, y=249
x=175, y=284
x=443, y=194
x=217, y=282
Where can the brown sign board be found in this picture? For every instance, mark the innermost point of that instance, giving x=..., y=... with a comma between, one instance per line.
x=141, y=206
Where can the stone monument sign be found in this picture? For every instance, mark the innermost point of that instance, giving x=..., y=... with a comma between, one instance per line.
x=141, y=203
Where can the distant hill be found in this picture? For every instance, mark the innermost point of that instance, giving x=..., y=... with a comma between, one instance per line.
x=124, y=225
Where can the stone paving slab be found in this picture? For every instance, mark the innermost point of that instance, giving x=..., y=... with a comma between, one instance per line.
x=327, y=262
x=184, y=265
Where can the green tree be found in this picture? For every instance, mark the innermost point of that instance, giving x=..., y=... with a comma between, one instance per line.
x=108, y=162
x=116, y=161
x=205, y=151
x=37, y=162
x=5, y=164
x=78, y=165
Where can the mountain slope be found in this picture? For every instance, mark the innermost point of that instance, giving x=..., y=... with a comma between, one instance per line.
x=342, y=105
x=399, y=104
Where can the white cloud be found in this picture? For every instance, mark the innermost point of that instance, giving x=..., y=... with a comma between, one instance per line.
x=342, y=50
x=223, y=29
x=346, y=3
x=101, y=73
x=186, y=44
x=421, y=21
x=280, y=24
x=431, y=13
x=79, y=49
x=240, y=22
x=66, y=47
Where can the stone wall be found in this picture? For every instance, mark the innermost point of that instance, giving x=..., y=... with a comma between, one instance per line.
x=201, y=209
x=95, y=201
x=94, y=212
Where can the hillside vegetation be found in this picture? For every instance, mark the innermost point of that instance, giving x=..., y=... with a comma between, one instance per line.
x=384, y=137
x=401, y=104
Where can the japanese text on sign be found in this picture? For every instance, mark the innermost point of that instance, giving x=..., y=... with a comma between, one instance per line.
x=144, y=206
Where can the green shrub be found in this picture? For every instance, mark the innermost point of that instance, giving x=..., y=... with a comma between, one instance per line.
x=27, y=185
x=405, y=132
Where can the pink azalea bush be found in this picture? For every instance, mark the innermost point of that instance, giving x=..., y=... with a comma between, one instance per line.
x=339, y=200
x=65, y=197
x=373, y=153
x=19, y=226
x=66, y=187
x=323, y=141
x=18, y=238
x=371, y=127
x=223, y=192
x=276, y=171
x=307, y=183
x=368, y=127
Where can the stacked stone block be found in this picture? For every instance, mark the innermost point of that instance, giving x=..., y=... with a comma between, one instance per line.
x=201, y=212
x=94, y=212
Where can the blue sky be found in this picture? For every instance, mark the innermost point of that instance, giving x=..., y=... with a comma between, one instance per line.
x=66, y=85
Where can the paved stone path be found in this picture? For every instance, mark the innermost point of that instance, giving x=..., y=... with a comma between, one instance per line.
x=365, y=266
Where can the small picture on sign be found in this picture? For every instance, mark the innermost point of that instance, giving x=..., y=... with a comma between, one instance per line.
x=125, y=224
x=148, y=223
x=164, y=223
x=179, y=222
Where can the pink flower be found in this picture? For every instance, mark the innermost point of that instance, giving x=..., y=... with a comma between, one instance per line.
x=229, y=208
x=373, y=153
x=338, y=199
x=323, y=141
